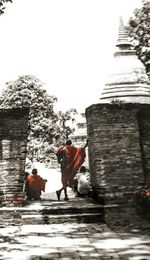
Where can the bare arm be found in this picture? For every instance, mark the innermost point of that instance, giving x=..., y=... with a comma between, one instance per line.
x=86, y=143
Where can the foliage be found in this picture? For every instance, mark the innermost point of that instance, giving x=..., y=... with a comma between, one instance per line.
x=65, y=120
x=2, y=8
x=46, y=128
x=139, y=31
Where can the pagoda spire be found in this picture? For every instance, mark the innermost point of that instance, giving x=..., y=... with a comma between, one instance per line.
x=127, y=81
x=122, y=41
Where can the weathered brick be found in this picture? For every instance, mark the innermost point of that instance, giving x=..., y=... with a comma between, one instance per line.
x=119, y=150
x=13, y=141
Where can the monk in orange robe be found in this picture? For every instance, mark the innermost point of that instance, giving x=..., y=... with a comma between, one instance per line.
x=35, y=184
x=70, y=159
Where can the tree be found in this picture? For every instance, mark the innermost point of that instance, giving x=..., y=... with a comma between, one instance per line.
x=45, y=127
x=139, y=31
x=2, y=8
x=65, y=121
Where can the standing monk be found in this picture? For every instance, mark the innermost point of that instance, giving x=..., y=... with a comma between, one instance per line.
x=70, y=159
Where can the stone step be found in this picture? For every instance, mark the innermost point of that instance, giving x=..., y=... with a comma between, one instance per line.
x=65, y=218
x=51, y=212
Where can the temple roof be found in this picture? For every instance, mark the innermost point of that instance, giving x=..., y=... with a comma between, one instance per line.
x=128, y=80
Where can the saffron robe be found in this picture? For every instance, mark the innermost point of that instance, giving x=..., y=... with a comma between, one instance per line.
x=35, y=184
x=71, y=158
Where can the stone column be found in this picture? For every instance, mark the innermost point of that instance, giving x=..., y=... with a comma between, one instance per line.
x=13, y=141
x=119, y=148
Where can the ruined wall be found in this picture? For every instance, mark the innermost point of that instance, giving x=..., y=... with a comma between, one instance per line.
x=119, y=151
x=13, y=141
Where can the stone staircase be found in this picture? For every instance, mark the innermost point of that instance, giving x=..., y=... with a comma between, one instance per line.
x=76, y=210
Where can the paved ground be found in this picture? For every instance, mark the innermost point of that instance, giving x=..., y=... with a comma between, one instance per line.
x=72, y=240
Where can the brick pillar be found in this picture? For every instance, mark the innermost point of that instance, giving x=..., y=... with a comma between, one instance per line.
x=13, y=141
x=119, y=148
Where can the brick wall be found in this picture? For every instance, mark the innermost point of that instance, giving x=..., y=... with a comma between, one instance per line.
x=144, y=128
x=119, y=152
x=13, y=141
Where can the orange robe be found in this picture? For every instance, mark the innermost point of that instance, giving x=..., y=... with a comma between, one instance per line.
x=35, y=185
x=70, y=158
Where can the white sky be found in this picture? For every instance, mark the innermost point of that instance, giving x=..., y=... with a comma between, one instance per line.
x=67, y=44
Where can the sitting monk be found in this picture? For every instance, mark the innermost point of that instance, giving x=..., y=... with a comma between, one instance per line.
x=83, y=186
x=34, y=185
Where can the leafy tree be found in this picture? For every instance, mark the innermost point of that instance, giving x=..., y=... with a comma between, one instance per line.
x=139, y=31
x=46, y=128
x=65, y=121
x=2, y=8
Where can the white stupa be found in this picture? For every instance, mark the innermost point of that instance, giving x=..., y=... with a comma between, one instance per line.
x=128, y=81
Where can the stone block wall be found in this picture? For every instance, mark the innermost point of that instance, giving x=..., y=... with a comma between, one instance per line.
x=13, y=141
x=119, y=152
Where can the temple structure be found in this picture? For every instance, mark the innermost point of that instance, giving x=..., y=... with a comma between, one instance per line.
x=128, y=81
x=79, y=136
x=118, y=128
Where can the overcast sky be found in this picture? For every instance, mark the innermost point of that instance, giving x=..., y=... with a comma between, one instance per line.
x=67, y=44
